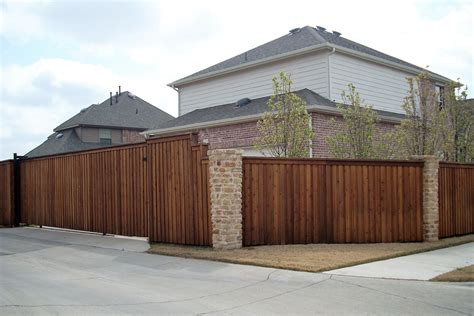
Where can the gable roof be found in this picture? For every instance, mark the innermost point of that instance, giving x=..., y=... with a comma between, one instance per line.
x=305, y=38
x=231, y=114
x=68, y=142
x=129, y=112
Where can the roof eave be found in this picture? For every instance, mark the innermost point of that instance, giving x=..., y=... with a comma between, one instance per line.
x=100, y=126
x=323, y=109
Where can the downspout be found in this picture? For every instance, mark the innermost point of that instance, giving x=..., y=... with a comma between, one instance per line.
x=329, y=73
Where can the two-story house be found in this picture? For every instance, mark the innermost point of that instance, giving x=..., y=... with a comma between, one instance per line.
x=321, y=64
x=118, y=120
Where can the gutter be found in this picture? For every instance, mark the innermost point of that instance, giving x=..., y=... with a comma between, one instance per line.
x=303, y=51
x=323, y=109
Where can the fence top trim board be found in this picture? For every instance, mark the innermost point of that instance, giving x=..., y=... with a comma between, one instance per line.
x=190, y=136
x=447, y=164
x=89, y=151
x=292, y=161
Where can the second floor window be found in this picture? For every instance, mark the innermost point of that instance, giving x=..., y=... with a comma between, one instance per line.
x=440, y=92
x=105, y=136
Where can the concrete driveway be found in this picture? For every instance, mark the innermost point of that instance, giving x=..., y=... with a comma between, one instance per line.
x=52, y=272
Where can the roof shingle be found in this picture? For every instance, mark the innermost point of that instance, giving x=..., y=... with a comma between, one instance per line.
x=306, y=37
x=129, y=112
x=256, y=106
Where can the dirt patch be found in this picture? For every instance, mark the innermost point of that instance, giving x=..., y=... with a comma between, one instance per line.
x=465, y=274
x=313, y=257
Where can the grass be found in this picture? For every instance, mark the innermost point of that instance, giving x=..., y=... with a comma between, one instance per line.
x=312, y=257
x=465, y=274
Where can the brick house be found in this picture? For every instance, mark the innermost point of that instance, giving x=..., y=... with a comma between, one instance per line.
x=222, y=103
x=117, y=120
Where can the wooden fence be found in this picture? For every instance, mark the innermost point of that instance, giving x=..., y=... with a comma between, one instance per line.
x=154, y=189
x=331, y=201
x=160, y=189
x=456, y=199
x=6, y=193
x=179, y=192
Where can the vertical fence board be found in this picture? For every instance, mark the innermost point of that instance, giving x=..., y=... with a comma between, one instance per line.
x=6, y=193
x=456, y=199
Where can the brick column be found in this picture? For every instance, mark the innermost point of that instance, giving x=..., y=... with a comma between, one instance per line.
x=430, y=197
x=225, y=177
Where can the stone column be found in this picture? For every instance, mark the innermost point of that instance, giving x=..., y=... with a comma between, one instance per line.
x=225, y=177
x=430, y=197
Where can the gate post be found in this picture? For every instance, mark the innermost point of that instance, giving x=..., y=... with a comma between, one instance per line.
x=430, y=197
x=16, y=190
x=225, y=178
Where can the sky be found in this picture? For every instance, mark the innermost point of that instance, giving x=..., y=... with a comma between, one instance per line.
x=58, y=57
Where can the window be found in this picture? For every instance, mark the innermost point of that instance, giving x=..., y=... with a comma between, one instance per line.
x=440, y=93
x=105, y=136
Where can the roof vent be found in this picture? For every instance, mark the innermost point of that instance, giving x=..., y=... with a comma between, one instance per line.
x=295, y=30
x=59, y=135
x=132, y=96
x=320, y=28
x=336, y=33
x=243, y=102
x=83, y=110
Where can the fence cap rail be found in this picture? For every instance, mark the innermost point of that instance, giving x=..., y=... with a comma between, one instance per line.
x=90, y=151
x=452, y=164
x=331, y=161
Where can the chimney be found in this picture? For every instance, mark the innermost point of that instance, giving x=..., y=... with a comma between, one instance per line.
x=110, y=97
x=120, y=90
x=116, y=97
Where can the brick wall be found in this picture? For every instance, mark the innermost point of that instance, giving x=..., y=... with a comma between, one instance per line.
x=243, y=134
x=324, y=126
x=230, y=136
x=131, y=136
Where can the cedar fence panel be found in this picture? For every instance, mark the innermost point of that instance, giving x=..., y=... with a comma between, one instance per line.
x=6, y=193
x=157, y=189
x=290, y=201
x=456, y=199
x=100, y=191
x=180, y=211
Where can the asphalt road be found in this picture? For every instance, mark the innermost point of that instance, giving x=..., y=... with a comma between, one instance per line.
x=49, y=272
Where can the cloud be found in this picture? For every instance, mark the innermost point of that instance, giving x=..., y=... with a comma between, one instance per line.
x=38, y=97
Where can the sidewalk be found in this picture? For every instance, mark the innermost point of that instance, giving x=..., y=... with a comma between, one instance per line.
x=422, y=266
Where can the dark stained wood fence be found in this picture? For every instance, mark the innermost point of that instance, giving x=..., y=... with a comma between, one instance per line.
x=157, y=189
x=180, y=210
x=6, y=193
x=101, y=191
x=331, y=201
x=456, y=199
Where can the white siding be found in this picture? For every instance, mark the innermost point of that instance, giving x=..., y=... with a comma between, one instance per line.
x=382, y=87
x=308, y=71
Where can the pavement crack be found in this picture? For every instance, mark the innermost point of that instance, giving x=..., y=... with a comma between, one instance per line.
x=144, y=303
x=401, y=296
x=266, y=298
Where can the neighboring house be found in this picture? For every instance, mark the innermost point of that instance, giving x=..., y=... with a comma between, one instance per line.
x=321, y=65
x=118, y=120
